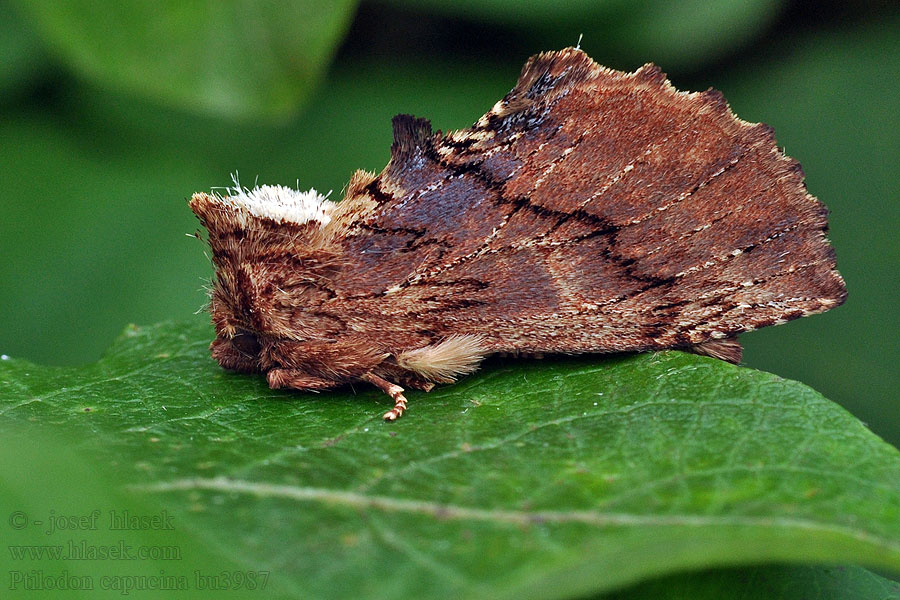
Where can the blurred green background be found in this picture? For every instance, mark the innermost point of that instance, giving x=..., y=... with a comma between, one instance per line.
x=114, y=113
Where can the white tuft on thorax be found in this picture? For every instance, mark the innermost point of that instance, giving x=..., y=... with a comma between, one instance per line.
x=277, y=202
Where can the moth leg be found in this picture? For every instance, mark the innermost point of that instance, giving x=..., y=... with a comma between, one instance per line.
x=298, y=380
x=391, y=389
x=417, y=384
x=727, y=349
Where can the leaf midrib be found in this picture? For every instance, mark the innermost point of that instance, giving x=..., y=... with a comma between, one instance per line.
x=443, y=511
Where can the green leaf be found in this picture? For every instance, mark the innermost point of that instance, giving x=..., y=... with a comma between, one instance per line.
x=532, y=479
x=71, y=531
x=773, y=582
x=243, y=59
x=23, y=56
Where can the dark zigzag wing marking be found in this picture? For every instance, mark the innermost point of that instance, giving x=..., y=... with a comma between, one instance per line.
x=645, y=227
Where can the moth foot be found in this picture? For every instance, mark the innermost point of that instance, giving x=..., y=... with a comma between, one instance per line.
x=391, y=389
x=425, y=386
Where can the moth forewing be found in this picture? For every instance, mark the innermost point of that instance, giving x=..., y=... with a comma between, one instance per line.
x=589, y=210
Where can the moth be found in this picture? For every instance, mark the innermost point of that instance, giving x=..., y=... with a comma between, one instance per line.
x=589, y=211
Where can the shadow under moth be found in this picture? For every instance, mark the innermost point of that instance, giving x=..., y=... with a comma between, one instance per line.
x=589, y=210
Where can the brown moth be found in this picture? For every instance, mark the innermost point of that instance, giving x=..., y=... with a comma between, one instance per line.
x=589, y=210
